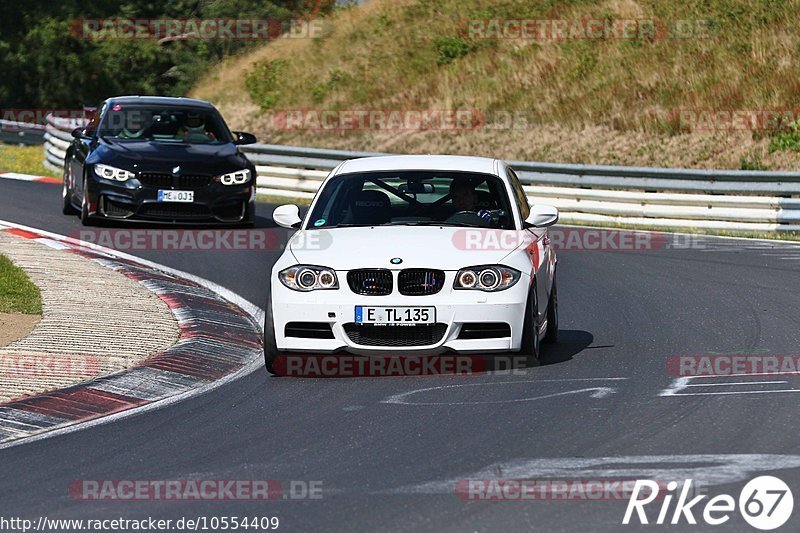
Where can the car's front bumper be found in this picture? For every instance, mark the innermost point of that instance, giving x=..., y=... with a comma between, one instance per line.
x=133, y=201
x=454, y=310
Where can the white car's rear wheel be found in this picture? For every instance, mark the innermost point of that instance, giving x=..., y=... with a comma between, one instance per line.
x=552, y=315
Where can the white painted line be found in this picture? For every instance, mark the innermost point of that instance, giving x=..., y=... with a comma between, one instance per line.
x=52, y=243
x=597, y=392
x=675, y=387
x=19, y=177
x=729, y=393
x=748, y=374
x=679, y=384
x=703, y=470
x=737, y=383
x=256, y=313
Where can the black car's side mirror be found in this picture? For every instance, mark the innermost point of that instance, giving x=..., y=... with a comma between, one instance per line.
x=79, y=133
x=242, y=137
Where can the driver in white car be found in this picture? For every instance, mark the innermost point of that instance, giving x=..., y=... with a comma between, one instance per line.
x=465, y=198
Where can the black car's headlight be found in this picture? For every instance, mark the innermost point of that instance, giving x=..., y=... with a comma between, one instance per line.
x=309, y=278
x=489, y=278
x=113, y=173
x=240, y=177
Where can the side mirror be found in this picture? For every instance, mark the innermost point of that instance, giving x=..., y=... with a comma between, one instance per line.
x=287, y=216
x=241, y=137
x=542, y=216
x=78, y=133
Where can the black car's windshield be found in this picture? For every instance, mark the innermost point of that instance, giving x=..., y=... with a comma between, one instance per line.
x=413, y=198
x=164, y=124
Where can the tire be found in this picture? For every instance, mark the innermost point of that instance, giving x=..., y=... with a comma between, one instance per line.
x=66, y=202
x=551, y=337
x=530, y=336
x=250, y=216
x=86, y=220
x=271, y=352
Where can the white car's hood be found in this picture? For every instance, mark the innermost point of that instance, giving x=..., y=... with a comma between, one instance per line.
x=445, y=248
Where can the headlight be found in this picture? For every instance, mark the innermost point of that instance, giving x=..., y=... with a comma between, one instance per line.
x=489, y=278
x=113, y=173
x=309, y=278
x=239, y=177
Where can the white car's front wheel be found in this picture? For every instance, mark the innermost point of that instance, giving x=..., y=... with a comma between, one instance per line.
x=530, y=337
x=271, y=352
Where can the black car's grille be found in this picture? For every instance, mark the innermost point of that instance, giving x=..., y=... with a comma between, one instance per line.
x=309, y=330
x=420, y=281
x=485, y=330
x=417, y=335
x=370, y=282
x=174, y=210
x=164, y=181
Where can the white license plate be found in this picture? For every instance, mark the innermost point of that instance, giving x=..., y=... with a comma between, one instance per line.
x=176, y=196
x=395, y=315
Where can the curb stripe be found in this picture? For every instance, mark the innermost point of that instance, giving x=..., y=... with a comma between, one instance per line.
x=28, y=177
x=218, y=339
x=22, y=233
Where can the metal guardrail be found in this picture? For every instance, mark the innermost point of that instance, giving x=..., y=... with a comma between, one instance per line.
x=12, y=132
x=741, y=201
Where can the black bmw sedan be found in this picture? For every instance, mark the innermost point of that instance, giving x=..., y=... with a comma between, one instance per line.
x=158, y=159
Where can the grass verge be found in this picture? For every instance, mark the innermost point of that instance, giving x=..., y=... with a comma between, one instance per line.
x=23, y=159
x=17, y=293
x=280, y=200
x=645, y=99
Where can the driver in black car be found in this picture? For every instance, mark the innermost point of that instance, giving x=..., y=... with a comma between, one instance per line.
x=194, y=129
x=465, y=198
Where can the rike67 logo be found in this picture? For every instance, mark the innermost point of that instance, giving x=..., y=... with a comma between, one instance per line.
x=765, y=503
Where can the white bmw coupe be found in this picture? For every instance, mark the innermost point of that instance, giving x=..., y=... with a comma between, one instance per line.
x=402, y=255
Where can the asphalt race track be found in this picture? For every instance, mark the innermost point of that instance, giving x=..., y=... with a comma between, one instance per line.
x=389, y=458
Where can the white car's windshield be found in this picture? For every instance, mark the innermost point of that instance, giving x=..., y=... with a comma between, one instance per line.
x=413, y=198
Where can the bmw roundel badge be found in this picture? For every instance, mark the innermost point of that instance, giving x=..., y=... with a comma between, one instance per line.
x=396, y=260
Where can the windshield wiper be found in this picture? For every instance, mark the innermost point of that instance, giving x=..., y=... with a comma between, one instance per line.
x=347, y=226
x=434, y=223
x=410, y=223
